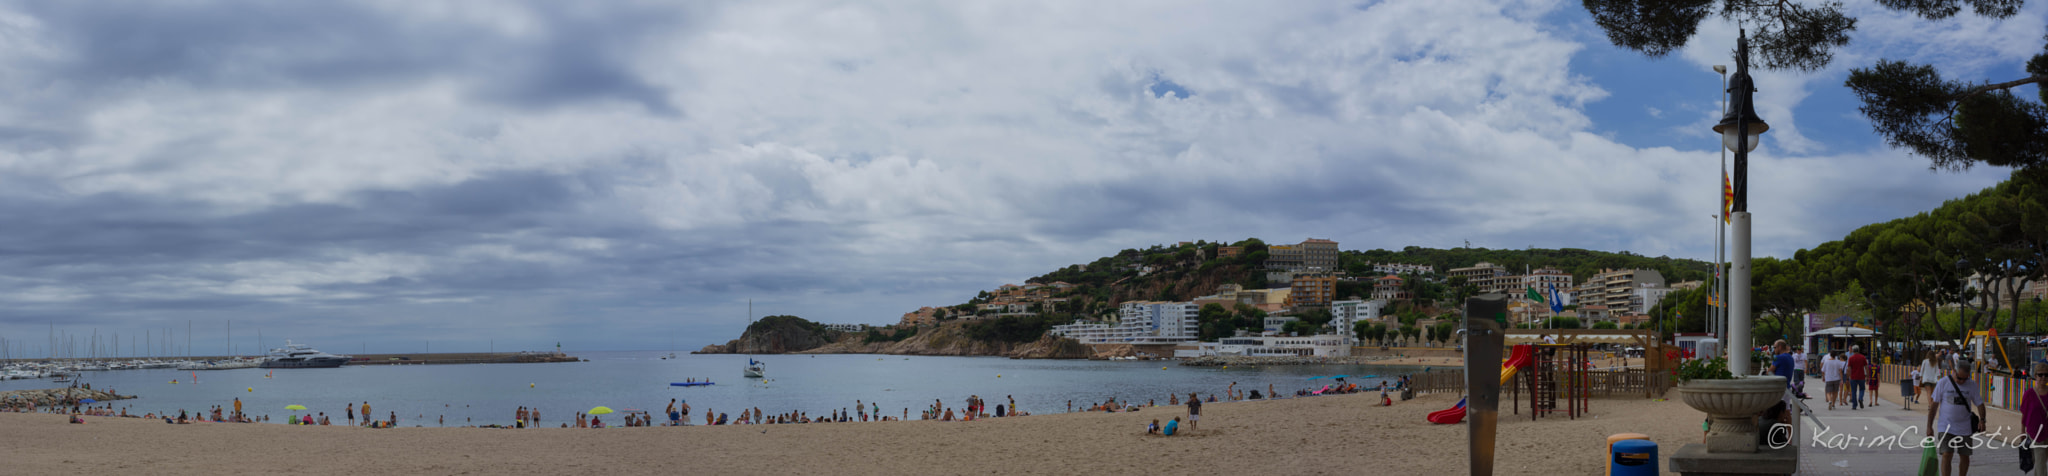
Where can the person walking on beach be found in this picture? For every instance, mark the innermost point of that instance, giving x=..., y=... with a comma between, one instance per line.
x=351, y=413
x=366, y=413
x=1194, y=411
x=1950, y=417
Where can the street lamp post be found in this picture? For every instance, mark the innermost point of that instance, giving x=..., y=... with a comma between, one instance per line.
x=1740, y=128
x=1717, y=312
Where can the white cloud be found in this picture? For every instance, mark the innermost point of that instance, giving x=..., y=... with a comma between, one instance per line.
x=851, y=161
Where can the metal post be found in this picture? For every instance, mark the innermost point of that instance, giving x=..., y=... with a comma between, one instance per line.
x=1485, y=316
x=1738, y=296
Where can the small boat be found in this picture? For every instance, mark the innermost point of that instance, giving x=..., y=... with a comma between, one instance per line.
x=689, y=384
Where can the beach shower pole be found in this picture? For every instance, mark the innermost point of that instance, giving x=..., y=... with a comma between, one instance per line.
x=1485, y=316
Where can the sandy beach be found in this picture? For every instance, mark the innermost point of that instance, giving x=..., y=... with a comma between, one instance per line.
x=1319, y=435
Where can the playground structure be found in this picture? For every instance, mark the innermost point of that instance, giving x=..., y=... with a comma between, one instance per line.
x=1519, y=359
x=1557, y=381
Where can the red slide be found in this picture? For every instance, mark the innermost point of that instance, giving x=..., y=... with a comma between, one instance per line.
x=1451, y=416
x=1520, y=357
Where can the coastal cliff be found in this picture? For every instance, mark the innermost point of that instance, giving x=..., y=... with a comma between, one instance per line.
x=951, y=339
x=777, y=335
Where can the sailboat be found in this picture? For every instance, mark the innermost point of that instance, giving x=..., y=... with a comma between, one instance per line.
x=754, y=368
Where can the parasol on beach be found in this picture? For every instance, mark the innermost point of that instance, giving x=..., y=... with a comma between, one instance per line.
x=600, y=410
x=294, y=407
x=1315, y=377
x=1341, y=376
x=88, y=401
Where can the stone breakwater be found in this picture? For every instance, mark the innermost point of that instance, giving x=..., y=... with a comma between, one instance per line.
x=55, y=396
x=1253, y=361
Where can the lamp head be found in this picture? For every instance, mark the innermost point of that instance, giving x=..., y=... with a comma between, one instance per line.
x=1728, y=129
x=1721, y=68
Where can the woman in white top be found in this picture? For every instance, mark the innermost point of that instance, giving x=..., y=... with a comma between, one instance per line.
x=1928, y=374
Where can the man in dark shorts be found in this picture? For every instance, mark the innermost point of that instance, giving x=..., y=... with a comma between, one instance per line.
x=1194, y=411
x=1949, y=415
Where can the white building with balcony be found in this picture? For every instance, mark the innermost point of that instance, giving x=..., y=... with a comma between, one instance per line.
x=1140, y=322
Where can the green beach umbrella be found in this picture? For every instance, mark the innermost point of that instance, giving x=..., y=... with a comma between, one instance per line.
x=600, y=410
x=295, y=407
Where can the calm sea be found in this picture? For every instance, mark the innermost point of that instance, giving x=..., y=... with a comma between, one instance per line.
x=489, y=393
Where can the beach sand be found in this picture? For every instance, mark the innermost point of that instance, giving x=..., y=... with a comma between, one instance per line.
x=1320, y=435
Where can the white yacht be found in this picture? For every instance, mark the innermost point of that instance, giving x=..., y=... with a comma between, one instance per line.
x=300, y=356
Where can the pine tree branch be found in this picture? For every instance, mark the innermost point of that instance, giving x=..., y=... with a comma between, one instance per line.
x=1967, y=93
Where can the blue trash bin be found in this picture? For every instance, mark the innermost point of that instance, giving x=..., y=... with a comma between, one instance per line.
x=1634, y=457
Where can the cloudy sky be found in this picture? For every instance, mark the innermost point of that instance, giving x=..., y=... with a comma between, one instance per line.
x=372, y=176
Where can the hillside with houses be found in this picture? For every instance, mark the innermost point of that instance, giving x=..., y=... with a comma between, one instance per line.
x=1306, y=298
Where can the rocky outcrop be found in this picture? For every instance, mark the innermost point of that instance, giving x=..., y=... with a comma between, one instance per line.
x=55, y=396
x=777, y=335
x=951, y=339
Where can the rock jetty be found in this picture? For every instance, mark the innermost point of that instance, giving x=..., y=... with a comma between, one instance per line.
x=55, y=396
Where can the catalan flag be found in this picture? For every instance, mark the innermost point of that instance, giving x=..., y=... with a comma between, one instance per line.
x=1727, y=196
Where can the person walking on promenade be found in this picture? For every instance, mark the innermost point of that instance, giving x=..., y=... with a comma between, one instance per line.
x=2034, y=416
x=1873, y=378
x=1951, y=420
x=1831, y=378
x=1858, y=366
x=1928, y=374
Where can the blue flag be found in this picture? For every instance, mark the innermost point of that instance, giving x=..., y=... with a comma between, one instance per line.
x=1556, y=305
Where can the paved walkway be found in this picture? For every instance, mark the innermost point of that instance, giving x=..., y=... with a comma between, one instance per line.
x=1866, y=431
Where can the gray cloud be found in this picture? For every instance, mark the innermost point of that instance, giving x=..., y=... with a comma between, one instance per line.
x=626, y=175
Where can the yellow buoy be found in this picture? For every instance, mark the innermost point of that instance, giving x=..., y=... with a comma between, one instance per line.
x=999, y=375
x=252, y=389
x=529, y=385
x=1162, y=368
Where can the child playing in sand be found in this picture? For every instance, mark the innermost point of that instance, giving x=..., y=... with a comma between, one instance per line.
x=1152, y=429
x=1173, y=426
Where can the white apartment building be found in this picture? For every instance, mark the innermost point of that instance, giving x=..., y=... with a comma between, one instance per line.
x=1325, y=345
x=1344, y=314
x=847, y=327
x=1402, y=268
x=1140, y=322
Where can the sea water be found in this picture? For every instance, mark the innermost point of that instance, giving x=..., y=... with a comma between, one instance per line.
x=481, y=394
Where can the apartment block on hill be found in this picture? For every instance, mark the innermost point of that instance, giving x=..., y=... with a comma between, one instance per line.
x=924, y=316
x=1312, y=289
x=1628, y=291
x=1402, y=268
x=1314, y=254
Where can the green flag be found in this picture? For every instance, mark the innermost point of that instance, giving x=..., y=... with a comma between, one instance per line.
x=1534, y=296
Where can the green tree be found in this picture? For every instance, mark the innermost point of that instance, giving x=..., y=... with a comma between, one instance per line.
x=1444, y=331
x=1408, y=333
x=1954, y=123
x=1604, y=325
